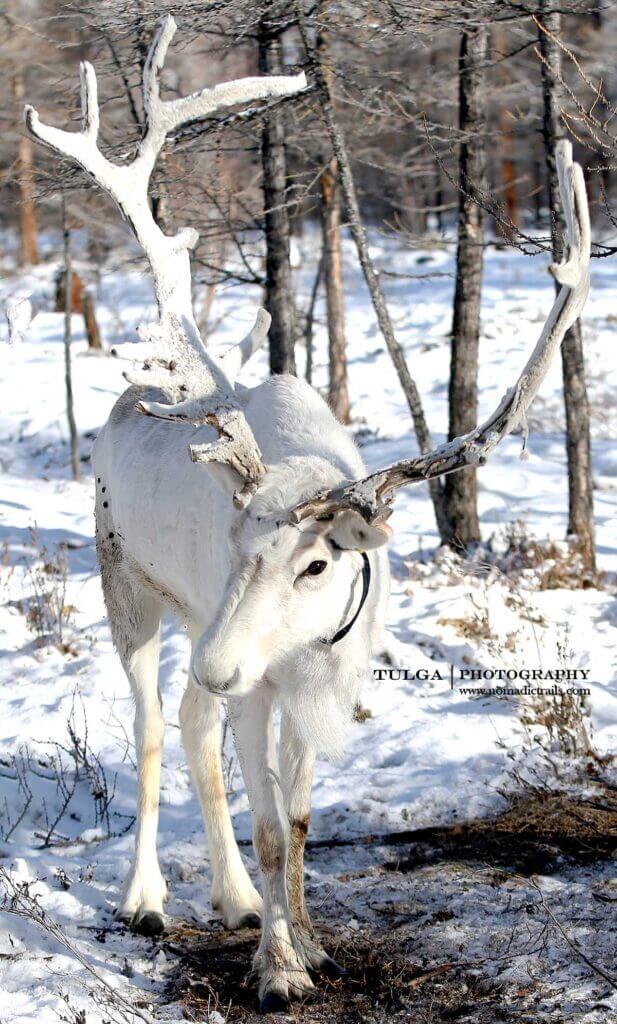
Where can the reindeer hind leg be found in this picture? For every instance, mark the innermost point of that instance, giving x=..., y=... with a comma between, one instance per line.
x=134, y=616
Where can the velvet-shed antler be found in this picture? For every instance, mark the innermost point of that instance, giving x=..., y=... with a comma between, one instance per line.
x=199, y=388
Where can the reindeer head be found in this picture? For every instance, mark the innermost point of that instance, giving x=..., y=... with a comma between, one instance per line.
x=292, y=586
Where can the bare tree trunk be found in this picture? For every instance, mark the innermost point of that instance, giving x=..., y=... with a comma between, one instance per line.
x=578, y=439
x=81, y=302
x=461, y=488
x=435, y=187
x=338, y=395
x=538, y=191
x=68, y=381
x=279, y=299
x=75, y=290
x=508, y=173
x=310, y=316
x=28, y=240
x=92, y=328
x=407, y=383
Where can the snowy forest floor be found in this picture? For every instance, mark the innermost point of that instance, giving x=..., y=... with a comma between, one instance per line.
x=461, y=855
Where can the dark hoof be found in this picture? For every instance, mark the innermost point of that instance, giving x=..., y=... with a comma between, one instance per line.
x=252, y=920
x=272, y=1002
x=330, y=969
x=150, y=924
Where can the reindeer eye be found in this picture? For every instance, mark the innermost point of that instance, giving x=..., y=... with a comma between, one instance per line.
x=315, y=568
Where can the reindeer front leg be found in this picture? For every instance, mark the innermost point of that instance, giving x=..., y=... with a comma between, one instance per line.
x=297, y=761
x=279, y=960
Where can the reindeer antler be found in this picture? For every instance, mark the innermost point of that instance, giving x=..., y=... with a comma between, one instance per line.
x=372, y=496
x=198, y=384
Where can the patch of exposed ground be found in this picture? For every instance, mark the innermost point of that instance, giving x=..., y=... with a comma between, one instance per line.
x=509, y=920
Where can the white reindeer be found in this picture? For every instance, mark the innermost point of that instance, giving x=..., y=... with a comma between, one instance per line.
x=281, y=601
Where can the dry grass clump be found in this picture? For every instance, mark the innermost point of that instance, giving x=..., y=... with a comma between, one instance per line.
x=550, y=565
x=589, y=822
x=514, y=555
x=44, y=603
x=477, y=628
x=565, y=722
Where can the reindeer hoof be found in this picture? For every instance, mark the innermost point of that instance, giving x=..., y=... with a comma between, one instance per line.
x=252, y=920
x=273, y=1002
x=151, y=923
x=330, y=969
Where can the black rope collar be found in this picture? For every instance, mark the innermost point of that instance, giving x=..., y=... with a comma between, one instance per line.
x=366, y=582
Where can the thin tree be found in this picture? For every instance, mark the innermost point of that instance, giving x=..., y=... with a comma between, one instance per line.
x=578, y=436
x=338, y=393
x=68, y=380
x=81, y=302
x=279, y=300
x=506, y=121
x=461, y=488
x=309, y=321
x=28, y=240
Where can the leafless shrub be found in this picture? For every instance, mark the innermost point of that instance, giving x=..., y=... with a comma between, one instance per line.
x=19, y=900
x=72, y=1015
x=72, y=765
x=552, y=566
x=515, y=556
x=16, y=768
x=477, y=628
x=566, y=721
x=47, y=613
x=69, y=768
x=560, y=722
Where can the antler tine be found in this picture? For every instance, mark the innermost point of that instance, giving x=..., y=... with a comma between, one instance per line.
x=234, y=359
x=166, y=115
x=372, y=496
x=89, y=100
x=163, y=35
x=80, y=146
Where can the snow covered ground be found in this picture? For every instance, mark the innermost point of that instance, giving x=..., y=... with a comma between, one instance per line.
x=426, y=755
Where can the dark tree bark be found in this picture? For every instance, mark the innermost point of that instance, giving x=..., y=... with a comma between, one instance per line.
x=28, y=231
x=409, y=386
x=279, y=299
x=578, y=439
x=461, y=488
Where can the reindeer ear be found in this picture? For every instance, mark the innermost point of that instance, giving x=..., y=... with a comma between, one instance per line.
x=349, y=531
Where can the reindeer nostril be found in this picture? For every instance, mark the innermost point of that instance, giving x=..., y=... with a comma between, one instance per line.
x=208, y=681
